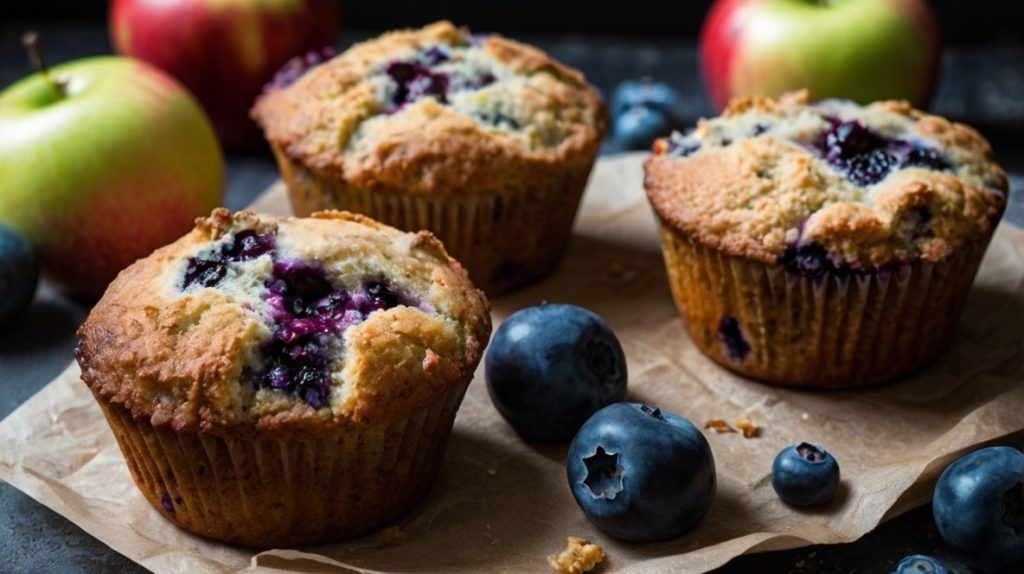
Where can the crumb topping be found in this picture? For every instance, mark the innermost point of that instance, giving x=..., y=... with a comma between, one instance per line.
x=579, y=556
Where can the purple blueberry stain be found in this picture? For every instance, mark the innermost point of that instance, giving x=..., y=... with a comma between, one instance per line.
x=420, y=77
x=731, y=337
x=165, y=500
x=208, y=268
x=308, y=310
x=604, y=475
x=866, y=157
x=305, y=307
x=297, y=67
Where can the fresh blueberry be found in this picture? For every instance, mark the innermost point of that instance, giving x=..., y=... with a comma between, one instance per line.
x=805, y=475
x=19, y=273
x=979, y=508
x=643, y=93
x=919, y=564
x=640, y=473
x=550, y=367
x=637, y=127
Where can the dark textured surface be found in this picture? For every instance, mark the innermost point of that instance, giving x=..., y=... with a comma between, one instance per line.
x=981, y=85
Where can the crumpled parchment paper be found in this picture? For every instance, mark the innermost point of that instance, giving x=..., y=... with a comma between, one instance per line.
x=502, y=505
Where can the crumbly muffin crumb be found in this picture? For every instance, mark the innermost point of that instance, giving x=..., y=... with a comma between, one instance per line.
x=580, y=555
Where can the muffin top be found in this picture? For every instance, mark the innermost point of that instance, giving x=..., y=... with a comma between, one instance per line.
x=829, y=185
x=434, y=111
x=253, y=324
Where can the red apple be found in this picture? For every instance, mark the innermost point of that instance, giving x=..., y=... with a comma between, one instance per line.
x=864, y=50
x=102, y=161
x=223, y=50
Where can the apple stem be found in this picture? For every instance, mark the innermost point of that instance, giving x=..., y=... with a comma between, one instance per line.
x=32, y=43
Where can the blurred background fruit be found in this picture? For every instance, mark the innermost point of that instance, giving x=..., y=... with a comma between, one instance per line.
x=223, y=50
x=19, y=273
x=863, y=50
x=643, y=110
x=103, y=160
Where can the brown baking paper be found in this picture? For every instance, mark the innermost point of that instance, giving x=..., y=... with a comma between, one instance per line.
x=502, y=505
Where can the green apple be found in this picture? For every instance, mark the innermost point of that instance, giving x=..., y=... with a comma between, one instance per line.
x=863, y=50
x=103, y=167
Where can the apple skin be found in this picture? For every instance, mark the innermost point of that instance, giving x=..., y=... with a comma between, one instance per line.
x=863, y=50
x=119, y=167
x=224, y=51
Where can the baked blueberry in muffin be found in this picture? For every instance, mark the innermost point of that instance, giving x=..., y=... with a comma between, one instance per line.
x=484, y=141
x=279, y=381
x=824, y=244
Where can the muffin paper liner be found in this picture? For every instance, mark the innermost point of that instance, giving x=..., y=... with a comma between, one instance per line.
x=828, y=331
x=504, y=239
x=266, y=492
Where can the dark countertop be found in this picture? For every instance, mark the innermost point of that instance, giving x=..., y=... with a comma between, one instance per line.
x=981, y=85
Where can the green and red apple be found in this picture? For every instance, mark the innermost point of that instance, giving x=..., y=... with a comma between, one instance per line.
x=104, y=166
x=223, y=51
x=863, y=50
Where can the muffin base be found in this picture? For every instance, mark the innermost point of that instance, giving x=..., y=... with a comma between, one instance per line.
x=266, y=492
x=832, y=331
x=505, y=239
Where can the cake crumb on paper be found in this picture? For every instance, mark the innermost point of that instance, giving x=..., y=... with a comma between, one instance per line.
x=578, y=557
x=747, y=427
x=718, y=425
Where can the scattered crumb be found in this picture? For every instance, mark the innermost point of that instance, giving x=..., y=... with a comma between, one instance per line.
x=579, y=556
x=492, y=472
x=800, y=564
x=718, y=425
x=805, y=416
x=747, y=427
x=390, y=535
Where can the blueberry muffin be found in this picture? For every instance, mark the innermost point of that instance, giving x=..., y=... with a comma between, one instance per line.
x=827, y=244
x=484, y=141
x=285, y=381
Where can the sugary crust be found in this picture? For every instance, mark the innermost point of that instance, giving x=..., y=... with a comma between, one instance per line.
x=331, y=121
x=752, y=196
x=178, y=357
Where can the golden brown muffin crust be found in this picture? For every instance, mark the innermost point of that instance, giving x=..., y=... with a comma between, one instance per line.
x=181, y=357
x=755, y=195
x=334, y=119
